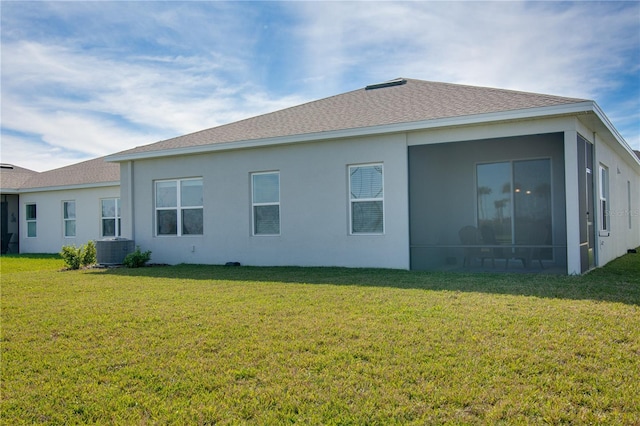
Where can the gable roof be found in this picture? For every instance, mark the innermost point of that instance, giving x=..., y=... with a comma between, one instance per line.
x=91, y=173
x=13, y=177
x=391, y=103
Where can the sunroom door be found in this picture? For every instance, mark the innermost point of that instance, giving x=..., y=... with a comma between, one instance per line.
x=586, y=207
x=514, y=203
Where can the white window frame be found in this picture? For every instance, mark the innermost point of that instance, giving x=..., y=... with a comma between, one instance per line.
x=353, y=199
x=255, y=204
x=629, y=204
x=67, y=220
x=33, y=220
x=604, y=203
x=178, y=208
x=116, y=218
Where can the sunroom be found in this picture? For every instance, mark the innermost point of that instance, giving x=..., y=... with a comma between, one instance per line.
x=489, y=205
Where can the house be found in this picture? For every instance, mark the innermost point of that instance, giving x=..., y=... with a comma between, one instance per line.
x=12, y=178
x=403, y=174
x=41, y=212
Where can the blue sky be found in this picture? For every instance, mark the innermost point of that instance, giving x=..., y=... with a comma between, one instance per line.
x=86, y=79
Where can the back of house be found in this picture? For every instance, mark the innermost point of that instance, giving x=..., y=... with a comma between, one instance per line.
x=405, y=174
x=388, y=176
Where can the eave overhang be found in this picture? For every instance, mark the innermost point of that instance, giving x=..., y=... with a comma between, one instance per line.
x=604, y=125
x=9, y=191
x=493, y=117
x=69, y=187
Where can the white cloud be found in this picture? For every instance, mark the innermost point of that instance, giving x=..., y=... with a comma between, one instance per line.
x=96, y=105
x=576, y=49
x=71, y=130
x=561, y=49
x=35, y=155
x=137, y=72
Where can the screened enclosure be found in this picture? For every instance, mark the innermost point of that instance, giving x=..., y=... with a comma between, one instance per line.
x=495, y=204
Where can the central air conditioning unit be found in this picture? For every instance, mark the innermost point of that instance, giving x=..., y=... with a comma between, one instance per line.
x=113, y=251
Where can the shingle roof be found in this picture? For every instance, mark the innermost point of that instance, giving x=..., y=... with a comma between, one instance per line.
x=89, y=172
x=415, y=101
x=13, y=177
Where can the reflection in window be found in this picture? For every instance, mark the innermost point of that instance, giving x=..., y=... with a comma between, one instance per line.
x=366, y=193
x=69, y=218
x=532, y=201
x=110, y=216
x=604, y=198
x=31, y=218
x=265, y=197
x=179, y=207
x=514, y=201
x=495, y=201
x=629, y=205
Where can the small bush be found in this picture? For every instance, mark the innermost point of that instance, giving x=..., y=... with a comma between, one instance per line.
x=89, y=253
x=75, y=257
x=71, y=256
x=137, y=259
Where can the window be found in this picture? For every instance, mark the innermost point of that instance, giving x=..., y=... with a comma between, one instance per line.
x=514, y=202
x=604, y=199
x=110, y=217
x=265, y=200
x=366, y=196
x=629, y=211
x=69, y=218
x=31, y=220
x=179, y=207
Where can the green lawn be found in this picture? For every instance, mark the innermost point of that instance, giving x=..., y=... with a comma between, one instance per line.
x=234, y=345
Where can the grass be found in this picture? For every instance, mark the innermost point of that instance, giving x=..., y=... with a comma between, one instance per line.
x=222, y=345
x=11, y=263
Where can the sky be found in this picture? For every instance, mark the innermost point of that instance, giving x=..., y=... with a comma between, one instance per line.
x=84, y=79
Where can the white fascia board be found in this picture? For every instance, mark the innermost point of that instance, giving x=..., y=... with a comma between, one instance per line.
x=9, y=191
x=614, y=132
x=68, y=187
x=521, y=114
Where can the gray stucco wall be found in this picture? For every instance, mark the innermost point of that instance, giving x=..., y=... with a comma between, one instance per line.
x=50, y=232
x=624, y=204
x=314, y=202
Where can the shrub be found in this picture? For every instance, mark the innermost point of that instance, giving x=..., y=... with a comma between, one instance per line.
x=75, y=257
x=71, y=256
x=137, y=259
x=89, y=253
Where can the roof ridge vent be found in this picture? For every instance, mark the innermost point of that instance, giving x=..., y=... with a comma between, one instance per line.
x=395, y=82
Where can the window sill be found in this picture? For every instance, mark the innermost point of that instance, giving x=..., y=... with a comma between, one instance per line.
x=177, y=236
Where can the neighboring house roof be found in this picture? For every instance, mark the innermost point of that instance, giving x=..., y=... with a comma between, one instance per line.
x=13, y=177
x=96, y=172
x=637, y=154
x=394, y=102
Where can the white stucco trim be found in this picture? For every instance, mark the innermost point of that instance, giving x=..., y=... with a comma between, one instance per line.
x=607, y=123
x=603, y=128
x=8, y=191
x=572, y=202
x=69, y=187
